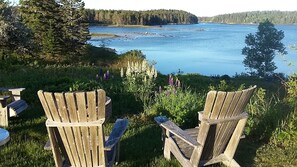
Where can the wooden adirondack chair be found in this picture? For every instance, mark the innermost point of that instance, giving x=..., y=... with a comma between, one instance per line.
x=75, y=127
x=216, y=139
x=15, y=106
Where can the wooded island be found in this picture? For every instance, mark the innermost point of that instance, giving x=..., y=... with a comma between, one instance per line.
x=149, y=17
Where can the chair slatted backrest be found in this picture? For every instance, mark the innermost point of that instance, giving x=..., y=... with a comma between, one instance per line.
x=79, y=118
x=221, y=105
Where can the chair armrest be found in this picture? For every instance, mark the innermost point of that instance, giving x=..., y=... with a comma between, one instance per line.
x=12, y=89
x=16, y=89
x=3, y=101
x=16, y=92
x=3, y=98
x=118, y=130
x=174, y=129
x=217, y=121
x=200, y=115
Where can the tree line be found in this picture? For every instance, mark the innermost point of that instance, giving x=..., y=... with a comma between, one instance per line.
x=149, y=17
x=255, y=17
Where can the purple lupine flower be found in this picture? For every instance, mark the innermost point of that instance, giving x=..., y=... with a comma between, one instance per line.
x=107, y=74
x=170, y=82
x=100, y=72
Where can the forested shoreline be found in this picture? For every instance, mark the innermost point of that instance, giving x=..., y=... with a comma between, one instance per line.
x=149, y=17
x=254, y=17
x=163, y=17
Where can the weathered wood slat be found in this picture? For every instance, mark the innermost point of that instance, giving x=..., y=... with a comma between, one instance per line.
x=81, y=116
x=101, y=115
x=220, y=99
x=48, y=104
x=91, y=113
x=174, y=129
x=69, y=116
x=118, y=130
x=210, y=99
x=185, y=148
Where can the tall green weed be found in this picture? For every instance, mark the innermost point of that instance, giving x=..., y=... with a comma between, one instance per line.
x=286, y=132
x=265, y=114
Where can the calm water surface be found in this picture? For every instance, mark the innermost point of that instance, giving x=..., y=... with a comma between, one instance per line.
x=208, y=49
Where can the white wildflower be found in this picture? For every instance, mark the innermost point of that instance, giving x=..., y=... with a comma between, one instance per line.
x=122, y=72
x=128, y=72
x=143, y=66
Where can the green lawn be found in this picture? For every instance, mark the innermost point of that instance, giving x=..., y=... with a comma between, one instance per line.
x=141, y=145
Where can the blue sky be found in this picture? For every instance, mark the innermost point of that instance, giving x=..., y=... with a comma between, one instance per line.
x=197, y=7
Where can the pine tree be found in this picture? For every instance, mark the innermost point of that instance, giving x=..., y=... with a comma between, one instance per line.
x=75, y=31
x=43, y=18
x=261, y=49
x=15, y=37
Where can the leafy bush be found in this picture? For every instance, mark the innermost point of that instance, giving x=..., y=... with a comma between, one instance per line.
x=265, y=114
x=286, y=133
x=291, y=85
x=180, y=105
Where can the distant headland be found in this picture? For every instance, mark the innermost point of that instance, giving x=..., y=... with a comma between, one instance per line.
x=254, y=17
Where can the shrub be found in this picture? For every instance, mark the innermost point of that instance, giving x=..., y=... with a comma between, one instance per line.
x=286, y=133
x=291, y=85
x=265, y=113
x=180, y=105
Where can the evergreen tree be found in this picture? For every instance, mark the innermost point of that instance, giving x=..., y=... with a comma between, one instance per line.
x=75, y=31
x=43, y=18
x=15, y=37
x=261, y=49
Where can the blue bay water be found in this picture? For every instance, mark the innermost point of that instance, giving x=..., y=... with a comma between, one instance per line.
x=206, y=48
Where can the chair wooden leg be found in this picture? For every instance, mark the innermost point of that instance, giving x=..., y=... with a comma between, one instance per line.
x=167, y=153
x=117, y=158
x=3, y=117
x=231, y=163
x=55, y=148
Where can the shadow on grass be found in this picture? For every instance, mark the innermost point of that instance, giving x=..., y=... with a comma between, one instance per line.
x=141, y=145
